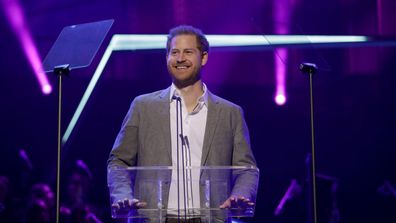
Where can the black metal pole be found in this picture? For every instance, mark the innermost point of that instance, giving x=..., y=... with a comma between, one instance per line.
x=310, y=69
x=59, y=71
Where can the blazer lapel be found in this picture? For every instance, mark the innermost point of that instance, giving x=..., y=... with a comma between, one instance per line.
x=211, y=124
x=164, y=119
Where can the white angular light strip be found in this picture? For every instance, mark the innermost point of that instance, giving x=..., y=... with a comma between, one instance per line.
x=121, y=42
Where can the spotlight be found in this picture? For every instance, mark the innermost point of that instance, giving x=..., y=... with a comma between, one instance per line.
x=280, y=99
x=47, y=89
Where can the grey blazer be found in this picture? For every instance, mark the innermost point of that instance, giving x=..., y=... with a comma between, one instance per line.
x=145, y=140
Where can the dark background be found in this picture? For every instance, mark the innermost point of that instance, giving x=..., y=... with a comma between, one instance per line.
x=354, y=100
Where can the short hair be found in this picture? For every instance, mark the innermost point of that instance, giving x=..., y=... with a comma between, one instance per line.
x=203, y=44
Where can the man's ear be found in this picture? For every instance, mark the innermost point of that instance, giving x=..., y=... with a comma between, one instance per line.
x=204, y=58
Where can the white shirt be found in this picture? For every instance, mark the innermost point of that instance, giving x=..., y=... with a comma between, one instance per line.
x=193, y=125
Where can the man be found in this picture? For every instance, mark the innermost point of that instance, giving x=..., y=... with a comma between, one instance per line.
x=184, y=117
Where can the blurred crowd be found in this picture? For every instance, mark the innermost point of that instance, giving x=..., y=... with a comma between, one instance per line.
x=36, y=202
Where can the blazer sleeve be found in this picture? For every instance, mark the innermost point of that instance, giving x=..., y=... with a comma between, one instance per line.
x=124, y=155
x=245, y=181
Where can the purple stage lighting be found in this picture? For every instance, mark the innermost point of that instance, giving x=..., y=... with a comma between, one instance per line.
x=280, y=58
x=282, y=13
x=280, y=99
x=15, y=17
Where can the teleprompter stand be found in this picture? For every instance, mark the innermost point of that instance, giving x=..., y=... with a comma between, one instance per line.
x=75, y=48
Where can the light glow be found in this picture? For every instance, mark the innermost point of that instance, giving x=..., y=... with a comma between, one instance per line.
x=152, y=42
x=14, y=15
x=88, y=92
x=282, y=12
x=280, y=58
x=280, y=99
x=133, y=42
x=47, y=89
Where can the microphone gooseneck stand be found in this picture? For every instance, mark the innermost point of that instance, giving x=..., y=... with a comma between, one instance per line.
x=189, y=174
x=185, y=163
x=179, y=122
x=310, y=69
x=177, y=155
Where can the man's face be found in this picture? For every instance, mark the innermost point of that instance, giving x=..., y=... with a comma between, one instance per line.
x=184, y=60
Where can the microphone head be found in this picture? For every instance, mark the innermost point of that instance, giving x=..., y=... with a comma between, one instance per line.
x=308, y=68
x=176, y=98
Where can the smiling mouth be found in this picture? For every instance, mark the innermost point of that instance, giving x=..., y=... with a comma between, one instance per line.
x=181, y=67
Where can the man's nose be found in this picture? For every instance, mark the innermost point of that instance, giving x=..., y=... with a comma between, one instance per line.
x=181, y=57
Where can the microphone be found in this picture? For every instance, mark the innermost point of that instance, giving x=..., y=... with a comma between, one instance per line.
x=310, y=68
x=179, y=133
x=186, y=142
x=182, y=140
x=177, y=98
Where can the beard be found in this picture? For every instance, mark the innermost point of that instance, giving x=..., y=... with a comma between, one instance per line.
x=185, y=80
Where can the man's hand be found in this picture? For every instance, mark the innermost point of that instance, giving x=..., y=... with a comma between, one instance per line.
x=238, y=202
x=128, y=204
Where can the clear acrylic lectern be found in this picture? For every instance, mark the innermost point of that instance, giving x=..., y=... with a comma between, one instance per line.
x=191, y=192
